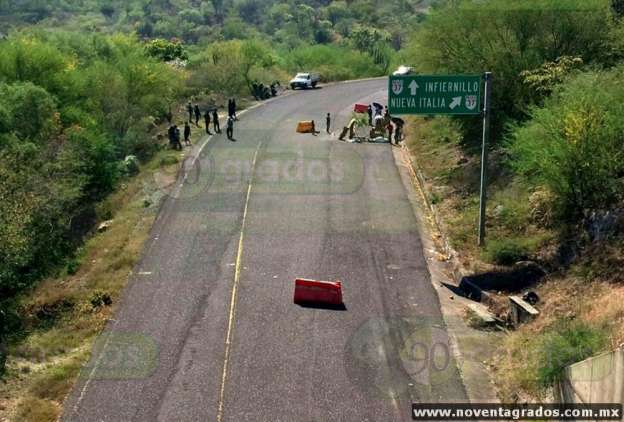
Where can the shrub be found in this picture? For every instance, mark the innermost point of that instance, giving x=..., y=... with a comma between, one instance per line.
x=574, y=144
x=332, y=62
x=565, y=344
x=506, y=251
x=166, y=50
x=71, y=107
x=512, y=37
x=99, y=299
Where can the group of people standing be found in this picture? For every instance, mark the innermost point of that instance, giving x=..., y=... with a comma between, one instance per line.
x=211, y=116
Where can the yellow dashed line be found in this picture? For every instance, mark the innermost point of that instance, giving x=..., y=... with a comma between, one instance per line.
x=239, y=258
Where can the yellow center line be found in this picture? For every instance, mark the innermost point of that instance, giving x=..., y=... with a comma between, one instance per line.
x=239, y=257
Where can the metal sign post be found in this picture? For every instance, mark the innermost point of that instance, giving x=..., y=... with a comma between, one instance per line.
x=448, y=95
x=484, y=156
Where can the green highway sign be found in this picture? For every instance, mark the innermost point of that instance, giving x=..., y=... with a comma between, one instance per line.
x=449, y=94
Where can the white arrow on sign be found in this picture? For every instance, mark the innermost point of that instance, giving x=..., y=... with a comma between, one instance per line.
x=414, y=87
x=456, y=102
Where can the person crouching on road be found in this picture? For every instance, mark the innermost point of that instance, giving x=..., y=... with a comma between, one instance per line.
x=230, y=128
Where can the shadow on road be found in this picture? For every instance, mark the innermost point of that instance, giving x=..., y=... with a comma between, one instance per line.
x=312, y=305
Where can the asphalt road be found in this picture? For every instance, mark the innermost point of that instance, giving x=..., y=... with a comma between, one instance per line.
x=207, y=330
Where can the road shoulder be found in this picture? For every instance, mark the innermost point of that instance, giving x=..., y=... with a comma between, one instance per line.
x=472, y=348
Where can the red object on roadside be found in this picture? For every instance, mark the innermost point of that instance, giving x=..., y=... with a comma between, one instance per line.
x=318, y=292
x=360, y=108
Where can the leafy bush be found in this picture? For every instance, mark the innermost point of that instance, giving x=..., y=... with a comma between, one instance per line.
x=99, y=299
x=506, y=251
x=574, y=145
x=71, y=108
x=512, y=37
x=331, y=62
x=565, y=344
x=166, y=50
x=228, y=67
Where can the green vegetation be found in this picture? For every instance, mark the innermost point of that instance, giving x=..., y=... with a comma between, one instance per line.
x=565, y=345
x=74, y=104
x=574, y=144
x=536, y=360
x=359, y=37
x=198, y=21
x=556, y=101
x=69, y=113
x=507, y=251
x=555, y=166
x=512, y=37
x=85, y=88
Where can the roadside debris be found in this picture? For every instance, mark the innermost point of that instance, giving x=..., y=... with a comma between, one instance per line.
x=105, y=226
x=520, y=311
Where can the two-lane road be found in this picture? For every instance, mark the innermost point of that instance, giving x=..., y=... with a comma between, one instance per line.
x=207, y=330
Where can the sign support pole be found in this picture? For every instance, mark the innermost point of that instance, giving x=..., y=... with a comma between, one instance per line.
x=484, y=156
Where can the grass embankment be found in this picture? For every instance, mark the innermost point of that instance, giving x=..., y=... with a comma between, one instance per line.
x=580, y=307
x=63, y=315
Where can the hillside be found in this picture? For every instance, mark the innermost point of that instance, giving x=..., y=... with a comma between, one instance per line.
x=194, y=21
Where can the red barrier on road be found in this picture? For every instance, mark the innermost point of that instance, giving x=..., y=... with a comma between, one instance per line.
x=360, y=108
x=318, y=292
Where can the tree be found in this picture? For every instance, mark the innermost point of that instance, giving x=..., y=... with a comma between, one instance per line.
x=107, y=10
x=618, y=7
x=32, y=113
x=512, y=37
x=166, y=50
x=218, y=8
x=254, y=54
x=574, y=144
x=547, y=77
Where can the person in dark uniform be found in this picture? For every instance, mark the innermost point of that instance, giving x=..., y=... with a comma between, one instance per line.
x=328, y=122
x=215, y=121
x=187, y=133
x=231, y=108
x=197, y=115
x=189, y=108
x=369, y=111
x=230, y=128
x=176, y=138
x=207, y=121
x=171, y=136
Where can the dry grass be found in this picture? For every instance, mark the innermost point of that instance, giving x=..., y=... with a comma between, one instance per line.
x=452, y=179
x=43, y=365
x=563, y=298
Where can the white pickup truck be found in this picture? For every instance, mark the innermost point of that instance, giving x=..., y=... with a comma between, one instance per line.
x=305, y=81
